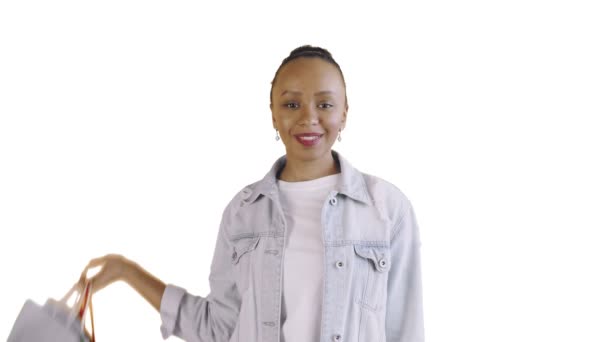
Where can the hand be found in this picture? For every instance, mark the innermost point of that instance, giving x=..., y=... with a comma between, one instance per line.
x=114, y=267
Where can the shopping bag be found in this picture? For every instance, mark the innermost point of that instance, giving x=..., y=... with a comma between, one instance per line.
x=55, y=321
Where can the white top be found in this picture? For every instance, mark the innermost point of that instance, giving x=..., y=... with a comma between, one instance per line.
x=303, y=260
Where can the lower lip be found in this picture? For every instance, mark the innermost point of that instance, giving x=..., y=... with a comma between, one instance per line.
x=309, y=143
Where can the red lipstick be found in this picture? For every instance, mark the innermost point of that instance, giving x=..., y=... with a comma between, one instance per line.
x=308, y=139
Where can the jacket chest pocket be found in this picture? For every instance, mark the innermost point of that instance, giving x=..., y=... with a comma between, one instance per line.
x=372, y=264
x=241, y=258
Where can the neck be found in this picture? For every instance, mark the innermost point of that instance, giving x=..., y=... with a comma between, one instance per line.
x=304, y=170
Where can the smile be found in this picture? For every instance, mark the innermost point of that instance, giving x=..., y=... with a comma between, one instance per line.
x=308, y=141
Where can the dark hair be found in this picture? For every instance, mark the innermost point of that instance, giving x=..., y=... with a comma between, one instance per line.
x=308, y=51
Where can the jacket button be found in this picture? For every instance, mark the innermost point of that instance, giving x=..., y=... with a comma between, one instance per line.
x=337, y=337
x=339, y=264
x=333, y=201
x=382, y=263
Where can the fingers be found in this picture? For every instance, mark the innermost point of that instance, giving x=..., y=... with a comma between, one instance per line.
x=111, y=266
x=98, y=262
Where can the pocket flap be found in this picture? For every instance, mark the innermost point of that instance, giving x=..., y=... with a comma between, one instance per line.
x=380, y=256
x=242, y=246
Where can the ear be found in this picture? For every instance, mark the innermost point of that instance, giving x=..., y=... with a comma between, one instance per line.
x=274, y=121
x=344, y=115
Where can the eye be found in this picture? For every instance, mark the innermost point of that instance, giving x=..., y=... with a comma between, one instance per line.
x=326, y=105
x=291, y=105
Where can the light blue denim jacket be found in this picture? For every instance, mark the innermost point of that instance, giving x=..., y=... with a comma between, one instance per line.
x=372, y=279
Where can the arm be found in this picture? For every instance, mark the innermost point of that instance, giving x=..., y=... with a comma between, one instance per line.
x=115, y=267
x=189, y=317
x=205, y=319
x=146, y=284
x=404, y=322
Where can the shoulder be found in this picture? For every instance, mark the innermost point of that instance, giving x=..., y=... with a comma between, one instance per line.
x=388, y=199
x=381, y=190
x=245, y=195
x=240, y=203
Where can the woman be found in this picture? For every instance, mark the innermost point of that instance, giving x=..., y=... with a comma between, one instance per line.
x=314, y=251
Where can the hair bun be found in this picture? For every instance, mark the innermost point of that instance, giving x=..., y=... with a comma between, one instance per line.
x=310, y=50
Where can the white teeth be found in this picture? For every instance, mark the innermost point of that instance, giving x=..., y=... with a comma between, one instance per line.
x=309, y=138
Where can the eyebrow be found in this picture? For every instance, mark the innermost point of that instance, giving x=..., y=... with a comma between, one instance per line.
x=324, y=92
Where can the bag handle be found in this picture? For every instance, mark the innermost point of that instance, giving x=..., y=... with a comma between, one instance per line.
x=87, y=302
x=83, y=301
x=64, y=299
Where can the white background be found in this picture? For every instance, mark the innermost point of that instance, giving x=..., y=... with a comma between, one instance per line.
x=126, y=127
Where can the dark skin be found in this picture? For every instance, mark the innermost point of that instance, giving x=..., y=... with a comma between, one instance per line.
x=308, y=96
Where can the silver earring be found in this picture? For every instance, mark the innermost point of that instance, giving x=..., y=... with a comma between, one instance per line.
x=277, y=137
x=340, y=135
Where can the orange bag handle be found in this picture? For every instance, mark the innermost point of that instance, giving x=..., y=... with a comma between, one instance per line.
x=92, y=323
x=87, y=301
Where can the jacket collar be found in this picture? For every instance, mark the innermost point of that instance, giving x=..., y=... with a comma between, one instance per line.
x=350, y=181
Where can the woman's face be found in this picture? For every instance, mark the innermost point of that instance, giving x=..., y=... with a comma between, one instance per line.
x=308, y=107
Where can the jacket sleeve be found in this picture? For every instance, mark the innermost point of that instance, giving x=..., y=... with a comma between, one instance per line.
x=404, y=315
x=204, y=319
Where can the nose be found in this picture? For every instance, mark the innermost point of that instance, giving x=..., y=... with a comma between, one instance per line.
x=308, y=115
